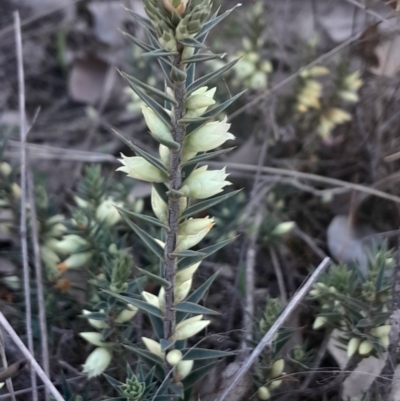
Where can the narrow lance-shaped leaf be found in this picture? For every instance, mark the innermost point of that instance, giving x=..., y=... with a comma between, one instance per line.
x=195, y=354
x=144, y=21
x=212, y=75
x=187, y=253
x=154, y=277
x=143, y=217
x=207, y=204
x=139, y=43
x=136, y=83
x=159, y=53
x=197, y=374
x=164, y=66
x=136, y=302
x=207, y=156
x=215, y=21
x=191, y=42
x=199, y=58
x=140, y=152
x=145, y=237
x=190, y=307
x=115, y=383
x=161, y=190
x=186, y=262
x=198, y=294
x=156, y=107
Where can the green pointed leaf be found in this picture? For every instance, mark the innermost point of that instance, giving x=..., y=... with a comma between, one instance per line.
x=218, y=109
x=186, y=254
x=380, y=278
x=166, y=344
x=192, y=42
x=190, y=307
x=149, y=377
x=156, y=107
x=195, y=354
x=209, y=77
x=135, y=84
x=145, y=237
x=157, y=325
x=136, y=302
x=207, y=204
x=145, y=354
x=115, y=383
x=147, y=156
x=144, y=21
x=143, y=217
x=207, y=156
x=164, y=66
x=160, y=53
x=155, y=278
x=162, y=191
x=198, y=294
x=215, y=21
x=138, y=42
x=197, y=374
x=199, y=58
x=186, y=262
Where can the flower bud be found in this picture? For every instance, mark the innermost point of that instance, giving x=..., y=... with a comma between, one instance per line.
x=49, y=257
x=319, y=322
x=97, y=324
x=165, y=155
x=188, y=241
x=179, y=6
x=277, y=368
x=97, y=362
x=187, y=52
x=352, y=346
x=71, y=243
x=95, y=339
x=183, y=369
x=5, y=169
x=75, y=261
x=191, y=113
x=127, y=314
x=140, y=169
x=284, y=228
x=274, y=385
x=15, y=190
x=159, y=207
x=174, y=357
x=151, y=299
x=189, y=328
x=107, y=212
x=381, y=331
x=365, y=348
x=203, y=184
x=182, y=291
x=384, y=341
x=153, y=346
x=209, y=136
x=263, y=393
x=201, y=101
x=186, y=274
x=158, y=129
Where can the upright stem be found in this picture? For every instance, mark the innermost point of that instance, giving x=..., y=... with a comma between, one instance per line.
x=175, y=183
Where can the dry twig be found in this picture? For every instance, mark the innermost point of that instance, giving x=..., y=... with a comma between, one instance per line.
x=23, y=233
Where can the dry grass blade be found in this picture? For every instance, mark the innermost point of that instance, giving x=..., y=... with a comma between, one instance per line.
x=39, y=280
x=23, y=172
x=35, y=366
x=308, y=176
x=9, y=383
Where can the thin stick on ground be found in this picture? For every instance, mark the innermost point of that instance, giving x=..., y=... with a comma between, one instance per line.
x=34, y=365
x=266, y=341
x=279, y=276
x=9, y=383
x=23, y=233
x=39, y=280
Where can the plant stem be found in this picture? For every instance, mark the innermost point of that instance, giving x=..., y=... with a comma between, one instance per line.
x=175, y=183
